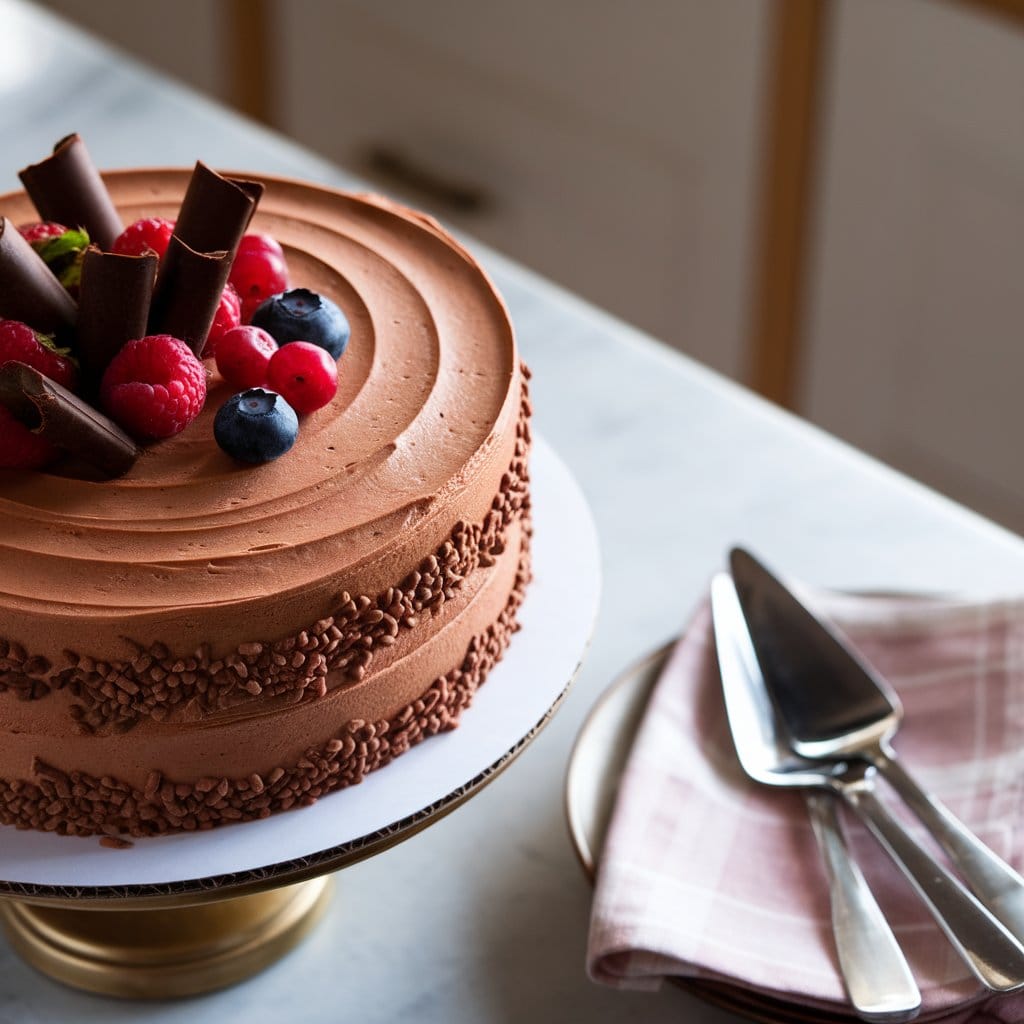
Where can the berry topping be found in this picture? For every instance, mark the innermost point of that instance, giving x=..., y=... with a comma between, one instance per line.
x=154, y=387
x=302, y=315
x=151, y=234
x=41, y=231
x=19, y=343
x=304, y=374
x=243, y=356
x=19, y=447
x=227, y=318
x=259, y=271
x=256, y=426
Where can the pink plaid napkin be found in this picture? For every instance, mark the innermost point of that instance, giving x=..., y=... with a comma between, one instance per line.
x=705, y=874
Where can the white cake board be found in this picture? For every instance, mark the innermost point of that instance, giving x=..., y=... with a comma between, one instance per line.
x=515, y=701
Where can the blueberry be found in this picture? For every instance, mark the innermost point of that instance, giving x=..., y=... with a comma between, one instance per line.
x=256, y=426
x=302, y=315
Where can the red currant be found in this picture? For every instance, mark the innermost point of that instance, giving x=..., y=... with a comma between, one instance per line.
x=151, y=234
x=243, y=355
x=304, y=375
x=258, y=272
x=227, y=318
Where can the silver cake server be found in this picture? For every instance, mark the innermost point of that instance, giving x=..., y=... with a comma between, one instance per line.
x=994, y=956
x=836, y=706
x=875, y=972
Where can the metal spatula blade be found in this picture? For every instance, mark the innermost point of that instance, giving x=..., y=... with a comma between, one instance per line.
x=836, y=706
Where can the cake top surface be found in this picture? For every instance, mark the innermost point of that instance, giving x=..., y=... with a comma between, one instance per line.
x=425, y=387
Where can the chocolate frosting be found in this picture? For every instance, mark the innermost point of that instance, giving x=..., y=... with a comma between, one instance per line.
x=67, y=188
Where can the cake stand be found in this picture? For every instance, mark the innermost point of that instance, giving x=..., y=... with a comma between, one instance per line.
x=187, y=913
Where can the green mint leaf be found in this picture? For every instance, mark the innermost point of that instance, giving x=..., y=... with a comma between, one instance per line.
x=72, y=241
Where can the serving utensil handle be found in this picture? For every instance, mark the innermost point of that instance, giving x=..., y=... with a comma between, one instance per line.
x=995, y=957
x=988, y=876
x=875, y=971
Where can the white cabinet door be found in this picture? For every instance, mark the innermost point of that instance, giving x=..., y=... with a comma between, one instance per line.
x=915, y=340
x=613, y=146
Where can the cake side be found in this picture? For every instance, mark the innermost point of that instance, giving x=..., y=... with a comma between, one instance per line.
x=74, y=802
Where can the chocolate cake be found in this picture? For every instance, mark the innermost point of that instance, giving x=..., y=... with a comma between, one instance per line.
x=197, y=641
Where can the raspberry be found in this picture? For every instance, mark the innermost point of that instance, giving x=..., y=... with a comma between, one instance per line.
x=154, y=387
x=151, y=234
x=259, y=271
x=19, y=343
x=41, y=231
x=243, y=356
x=227, y=318
x=19, y=447
x=304, y=375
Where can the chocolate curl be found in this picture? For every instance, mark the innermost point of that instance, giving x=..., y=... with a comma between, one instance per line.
x=216, y=210
x=113, y=305
x=28, y=290
x=187, y=292
x=67, y=188
x=193, y=272
x=51, y=411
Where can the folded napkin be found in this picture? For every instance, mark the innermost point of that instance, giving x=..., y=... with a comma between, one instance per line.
x=705, y=874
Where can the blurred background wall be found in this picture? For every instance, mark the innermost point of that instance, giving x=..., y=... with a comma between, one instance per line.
x=823, y=199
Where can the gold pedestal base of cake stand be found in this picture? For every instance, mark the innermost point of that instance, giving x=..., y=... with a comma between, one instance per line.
x=165, y=953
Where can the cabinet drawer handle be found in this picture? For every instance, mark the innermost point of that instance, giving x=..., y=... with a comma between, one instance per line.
x=434, y=187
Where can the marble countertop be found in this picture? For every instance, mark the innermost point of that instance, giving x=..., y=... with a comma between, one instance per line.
x=484, y=916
